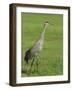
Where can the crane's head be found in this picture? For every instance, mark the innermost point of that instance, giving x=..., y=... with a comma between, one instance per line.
x=46, y=24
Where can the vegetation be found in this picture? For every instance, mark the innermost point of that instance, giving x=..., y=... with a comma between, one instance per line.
x=51, y=56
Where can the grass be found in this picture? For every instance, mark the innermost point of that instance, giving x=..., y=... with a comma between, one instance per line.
x=51, y=57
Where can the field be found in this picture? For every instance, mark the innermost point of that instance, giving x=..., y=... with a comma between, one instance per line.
x=51, y=56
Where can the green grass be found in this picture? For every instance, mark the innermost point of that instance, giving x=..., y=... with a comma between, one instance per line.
x=51, y=56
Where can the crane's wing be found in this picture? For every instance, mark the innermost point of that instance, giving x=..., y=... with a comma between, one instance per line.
x=37, y=47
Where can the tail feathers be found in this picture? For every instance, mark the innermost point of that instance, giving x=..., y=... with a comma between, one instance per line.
x=26, y=60
x=27, y=56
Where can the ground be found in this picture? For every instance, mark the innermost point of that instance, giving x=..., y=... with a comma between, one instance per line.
x=51, y=56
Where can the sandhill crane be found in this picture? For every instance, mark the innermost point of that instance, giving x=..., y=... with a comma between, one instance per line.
x=34, y=51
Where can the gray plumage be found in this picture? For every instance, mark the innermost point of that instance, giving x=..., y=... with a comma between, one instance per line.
x=37, y=47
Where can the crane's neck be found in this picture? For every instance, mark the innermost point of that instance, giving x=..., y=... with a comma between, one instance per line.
x=43, y=33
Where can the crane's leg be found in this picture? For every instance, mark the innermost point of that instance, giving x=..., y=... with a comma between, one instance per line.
x=37, y=62
x=31, y=64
